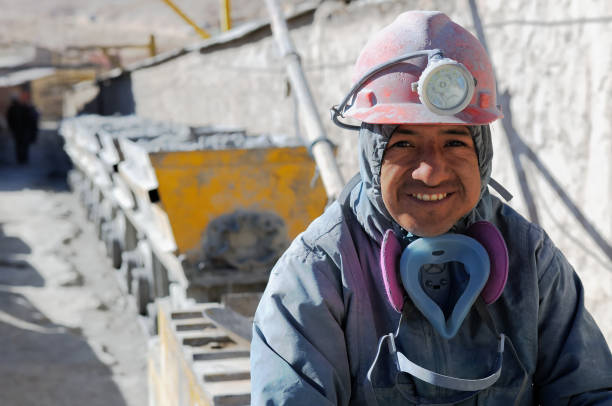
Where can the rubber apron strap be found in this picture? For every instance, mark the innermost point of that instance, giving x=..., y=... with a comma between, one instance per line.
x=486, y=316
x=460, y=384
x=467, y=385
x=470, y=386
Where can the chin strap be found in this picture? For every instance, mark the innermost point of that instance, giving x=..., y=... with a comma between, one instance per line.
x=503, y=192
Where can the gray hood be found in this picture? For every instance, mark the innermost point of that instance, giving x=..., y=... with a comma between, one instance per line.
x=366, y=198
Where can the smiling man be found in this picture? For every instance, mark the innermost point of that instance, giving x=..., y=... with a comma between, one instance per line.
x=429, y=177
x=417, y=286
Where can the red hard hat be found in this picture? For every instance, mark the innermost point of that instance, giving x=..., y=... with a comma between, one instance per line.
x=449, y=80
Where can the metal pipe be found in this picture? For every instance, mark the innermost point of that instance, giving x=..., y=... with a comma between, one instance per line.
x=321, y=151
x=188, y=20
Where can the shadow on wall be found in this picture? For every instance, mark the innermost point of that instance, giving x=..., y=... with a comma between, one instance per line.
x=115, y=97
x=519, y=148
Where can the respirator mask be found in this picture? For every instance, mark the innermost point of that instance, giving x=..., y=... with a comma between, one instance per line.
x=407, y=278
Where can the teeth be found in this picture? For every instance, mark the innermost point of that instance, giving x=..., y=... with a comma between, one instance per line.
x=432, y=197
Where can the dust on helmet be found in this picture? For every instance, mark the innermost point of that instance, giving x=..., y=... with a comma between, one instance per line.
x=422, y=69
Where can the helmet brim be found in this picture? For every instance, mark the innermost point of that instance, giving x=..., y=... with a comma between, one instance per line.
x=417, y=113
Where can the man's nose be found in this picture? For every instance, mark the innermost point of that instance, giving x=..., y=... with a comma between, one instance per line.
x=431, y=170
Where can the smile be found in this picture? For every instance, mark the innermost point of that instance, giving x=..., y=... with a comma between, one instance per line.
x=429, y=197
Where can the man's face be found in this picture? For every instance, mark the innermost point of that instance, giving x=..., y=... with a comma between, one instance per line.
x=429, y=177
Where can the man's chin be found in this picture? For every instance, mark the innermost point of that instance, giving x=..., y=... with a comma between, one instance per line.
x=425, y=230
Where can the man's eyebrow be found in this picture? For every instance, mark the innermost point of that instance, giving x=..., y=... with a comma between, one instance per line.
x=457, y=132
x=405, y=131
x=450, y=131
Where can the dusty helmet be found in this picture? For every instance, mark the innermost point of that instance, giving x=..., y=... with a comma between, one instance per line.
x=422, y=69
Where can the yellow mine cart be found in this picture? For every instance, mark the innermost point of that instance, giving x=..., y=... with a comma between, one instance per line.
x=191, y=213
x=197, y=187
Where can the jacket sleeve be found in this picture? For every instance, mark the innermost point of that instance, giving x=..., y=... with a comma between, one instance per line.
x=574, y=362
x=298, y=351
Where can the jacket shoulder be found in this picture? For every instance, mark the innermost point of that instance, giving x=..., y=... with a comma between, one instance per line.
x=325, y=233
x=528, y=243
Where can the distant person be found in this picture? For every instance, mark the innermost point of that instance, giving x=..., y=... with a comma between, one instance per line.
x=22, y=119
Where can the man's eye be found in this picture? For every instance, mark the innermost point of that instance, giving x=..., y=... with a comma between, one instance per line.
x=401, y=144
x=455, y=143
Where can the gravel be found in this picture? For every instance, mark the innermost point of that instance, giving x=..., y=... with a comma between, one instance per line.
x=67, y=334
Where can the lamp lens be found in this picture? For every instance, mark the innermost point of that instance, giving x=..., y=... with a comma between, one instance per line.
x=447, y=87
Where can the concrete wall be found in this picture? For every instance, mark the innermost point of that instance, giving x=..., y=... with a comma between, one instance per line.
x=552, y=61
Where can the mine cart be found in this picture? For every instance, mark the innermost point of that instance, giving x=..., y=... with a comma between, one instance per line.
x=190, y=213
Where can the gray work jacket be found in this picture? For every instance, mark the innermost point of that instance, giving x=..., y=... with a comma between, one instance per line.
x=324, y=310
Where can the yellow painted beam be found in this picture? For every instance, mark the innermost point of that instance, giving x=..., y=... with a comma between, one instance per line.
x=226, y=19
x=188, y=20
x=152, y=45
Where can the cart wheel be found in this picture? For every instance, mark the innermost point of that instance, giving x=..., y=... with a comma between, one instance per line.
x=74, y=178
x=99, y=223
x=152, y=312
x=115, y=252
x=141, y=288
x=128, y=266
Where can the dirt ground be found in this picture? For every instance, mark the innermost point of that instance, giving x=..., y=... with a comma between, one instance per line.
x=67, y=335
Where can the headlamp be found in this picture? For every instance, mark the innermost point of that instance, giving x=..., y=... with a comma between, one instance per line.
x=445, y=86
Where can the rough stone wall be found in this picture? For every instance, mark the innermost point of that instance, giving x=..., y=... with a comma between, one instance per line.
x=552, y=57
